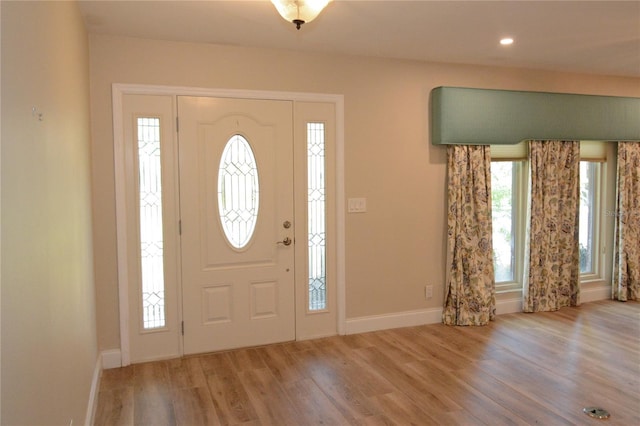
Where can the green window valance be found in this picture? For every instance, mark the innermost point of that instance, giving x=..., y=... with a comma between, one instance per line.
x=469, y=116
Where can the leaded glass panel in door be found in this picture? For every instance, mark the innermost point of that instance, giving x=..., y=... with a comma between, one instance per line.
x=151, y=238
x=238, y=192
x=316, y=216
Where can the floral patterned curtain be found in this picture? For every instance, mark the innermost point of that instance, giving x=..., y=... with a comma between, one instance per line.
x=470, y=288
x=626, y=266
x=552, y=260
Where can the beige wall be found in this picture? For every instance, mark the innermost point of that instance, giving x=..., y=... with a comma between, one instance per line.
x=398, y=246
x=49, y=345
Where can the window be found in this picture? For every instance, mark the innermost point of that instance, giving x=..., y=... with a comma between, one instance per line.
x=238, y=192
x=151, y=239
x=502, y=212
x=590, y=172
x=593, y=184
x=508, y=203
x=508, y=210
x=316, y=216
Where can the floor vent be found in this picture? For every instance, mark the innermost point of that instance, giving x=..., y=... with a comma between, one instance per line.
x=596, y=412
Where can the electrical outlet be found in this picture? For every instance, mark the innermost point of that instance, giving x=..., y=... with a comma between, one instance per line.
x=428, y=291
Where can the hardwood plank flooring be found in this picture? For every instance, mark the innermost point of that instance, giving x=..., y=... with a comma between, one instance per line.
x=522, y=369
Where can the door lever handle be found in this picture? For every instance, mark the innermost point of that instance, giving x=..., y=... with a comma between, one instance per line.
x=287, y=241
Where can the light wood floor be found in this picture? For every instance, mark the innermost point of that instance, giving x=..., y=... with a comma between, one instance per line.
x=523, y=369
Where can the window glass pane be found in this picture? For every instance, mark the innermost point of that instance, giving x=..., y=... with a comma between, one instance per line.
x=151, y=239
x=316, y=213
x=588, y=188
x=238, y=191
x=502, y=210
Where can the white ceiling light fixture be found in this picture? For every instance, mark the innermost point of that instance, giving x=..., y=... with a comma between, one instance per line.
x=299, y=11
x=506, y=41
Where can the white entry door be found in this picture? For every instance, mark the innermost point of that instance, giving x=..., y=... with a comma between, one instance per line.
x=236, y=208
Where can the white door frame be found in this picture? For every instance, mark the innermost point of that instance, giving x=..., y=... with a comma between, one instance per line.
x=118, y=92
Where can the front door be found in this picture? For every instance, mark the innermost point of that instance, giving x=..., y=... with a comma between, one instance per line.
x=237, y=230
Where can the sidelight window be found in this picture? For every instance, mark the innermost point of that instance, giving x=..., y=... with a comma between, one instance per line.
x=316, y=216
x=151, y=238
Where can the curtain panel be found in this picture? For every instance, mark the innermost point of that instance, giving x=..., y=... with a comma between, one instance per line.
x=626, y=266
x=470, y=286
x=552, y=269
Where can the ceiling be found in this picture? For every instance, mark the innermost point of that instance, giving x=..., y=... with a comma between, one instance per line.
x=599, y=37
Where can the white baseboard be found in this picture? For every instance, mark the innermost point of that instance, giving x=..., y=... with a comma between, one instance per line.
x=509, y=306
x=111, y=358
x=92, y=405
x=106, y=359
x=434, y=315
x=394, y=320
x=594, y=294
x=413, y=318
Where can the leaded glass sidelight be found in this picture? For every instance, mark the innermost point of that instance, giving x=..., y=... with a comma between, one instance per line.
x=151, y=239
x=316, y=215
x=238, y=192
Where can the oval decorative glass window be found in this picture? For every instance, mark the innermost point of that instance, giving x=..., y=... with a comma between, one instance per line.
x=238, y=191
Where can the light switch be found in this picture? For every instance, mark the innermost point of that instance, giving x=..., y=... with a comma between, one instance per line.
x=357, y=205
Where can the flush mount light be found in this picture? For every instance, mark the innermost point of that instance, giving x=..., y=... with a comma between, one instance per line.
x=299, y=11
x=506, y=41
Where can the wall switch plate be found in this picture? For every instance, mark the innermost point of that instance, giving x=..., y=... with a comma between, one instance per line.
x=356, y=205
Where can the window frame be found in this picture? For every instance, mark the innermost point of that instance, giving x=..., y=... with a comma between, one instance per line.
x=594, y=151
x=519, y=192
x=597, y=272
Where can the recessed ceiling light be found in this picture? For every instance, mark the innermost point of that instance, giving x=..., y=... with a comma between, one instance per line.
x=506, y=41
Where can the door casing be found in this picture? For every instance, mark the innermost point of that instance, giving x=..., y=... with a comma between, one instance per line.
x=118, y=92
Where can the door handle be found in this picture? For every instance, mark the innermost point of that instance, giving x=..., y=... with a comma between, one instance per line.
x=287, y=241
